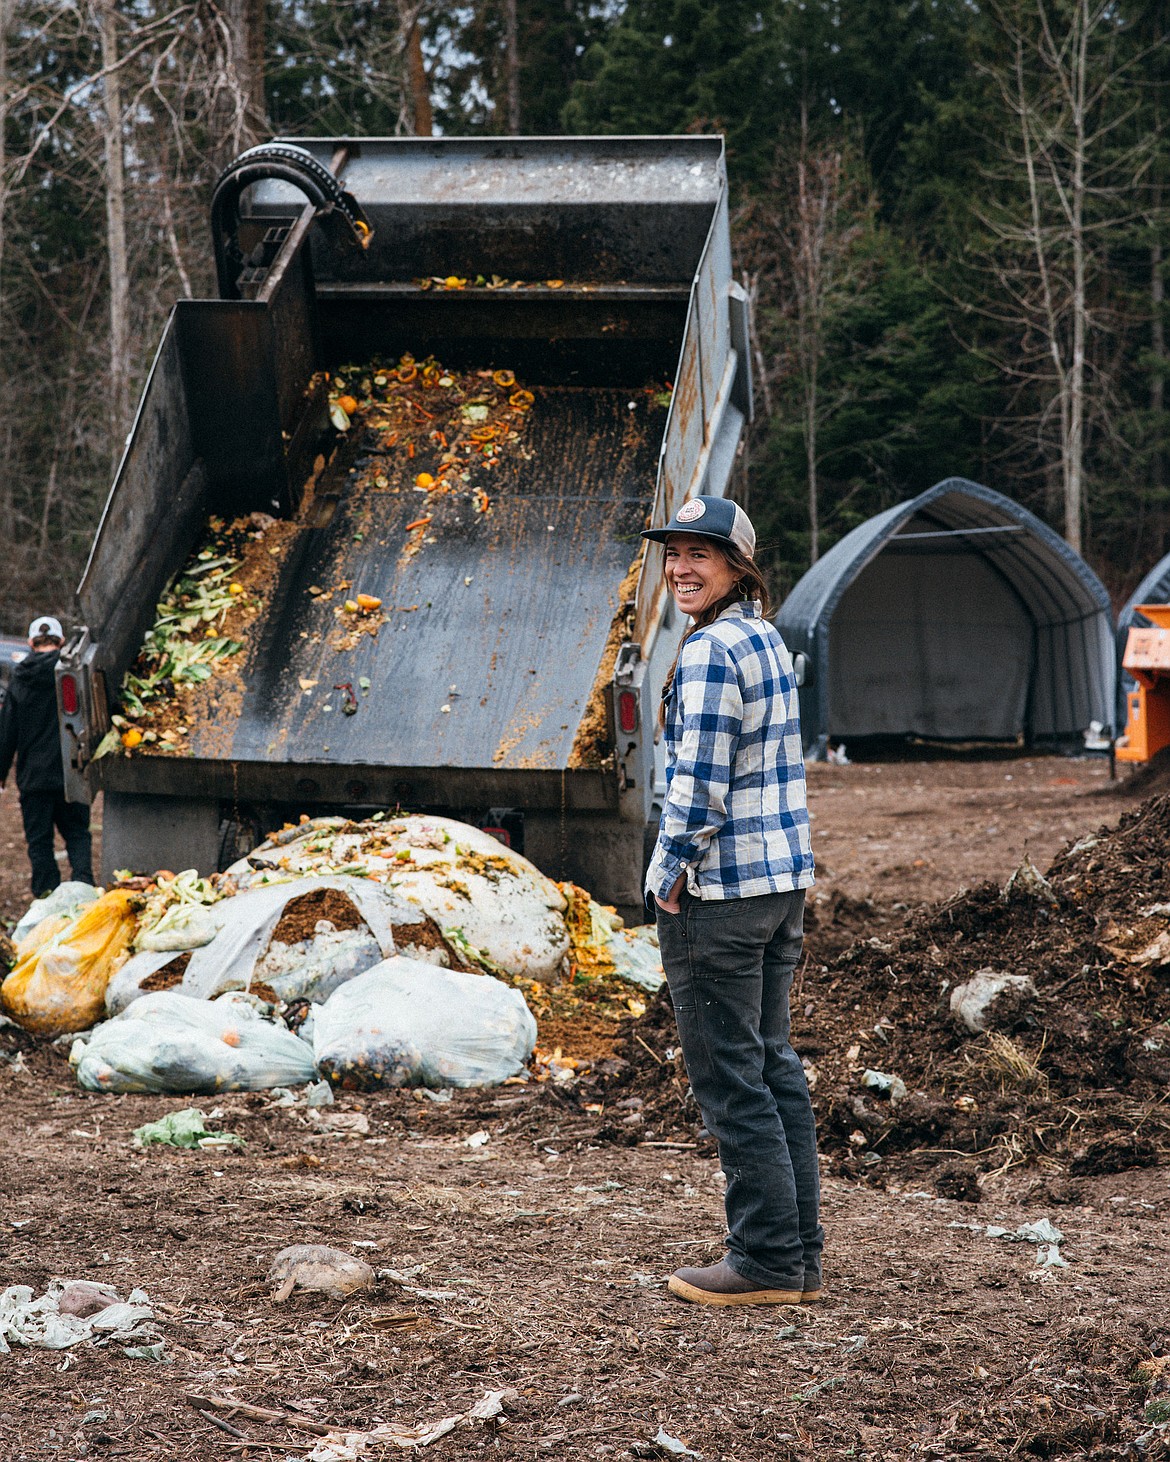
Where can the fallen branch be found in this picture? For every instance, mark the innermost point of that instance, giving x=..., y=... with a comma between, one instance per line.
x=254, y=1413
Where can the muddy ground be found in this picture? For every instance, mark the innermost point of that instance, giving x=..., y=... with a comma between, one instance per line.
x=544, y=1247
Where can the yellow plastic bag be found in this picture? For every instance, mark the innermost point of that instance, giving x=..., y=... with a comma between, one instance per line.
x=41, y=934
x=60, y=985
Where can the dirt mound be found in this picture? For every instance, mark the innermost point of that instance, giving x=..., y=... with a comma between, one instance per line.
x=1069, y=1073
x=1150, y=780
x=835, y=921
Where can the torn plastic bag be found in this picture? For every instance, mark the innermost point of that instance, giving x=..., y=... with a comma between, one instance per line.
x=636, y=957
x=56, y=1321
x=62, y=985
x=138, y=970
x=180, y=913
x=67, y=899
x=169, y=1042
x=501, y=909
x=409, y=1024
x=248, y=922
x=311, y=969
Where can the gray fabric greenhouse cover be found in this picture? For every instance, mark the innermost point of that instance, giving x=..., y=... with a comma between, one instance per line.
x=1153, y=589
x=958, y=615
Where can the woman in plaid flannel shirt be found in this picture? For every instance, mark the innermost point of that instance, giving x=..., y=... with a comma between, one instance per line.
x=728, y=878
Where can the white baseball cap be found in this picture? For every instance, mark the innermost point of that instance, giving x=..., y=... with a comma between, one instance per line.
x=45, y=627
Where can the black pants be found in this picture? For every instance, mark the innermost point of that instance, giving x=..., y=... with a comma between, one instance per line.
x=42, y=811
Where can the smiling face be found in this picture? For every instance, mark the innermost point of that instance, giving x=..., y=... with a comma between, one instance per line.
x=697, y=573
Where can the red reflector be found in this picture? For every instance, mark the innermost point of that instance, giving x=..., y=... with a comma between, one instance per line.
x=501, y=835
x=628, y=712
x=69, y=695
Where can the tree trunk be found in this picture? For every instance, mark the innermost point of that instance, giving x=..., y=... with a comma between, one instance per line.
x=245, y=23
x=119, y=274
x=5, y=12
x=1157, y=341
x=512, y=66
x=1074, y=511
x=810, y=458
x=420, y=91
x=5, y=454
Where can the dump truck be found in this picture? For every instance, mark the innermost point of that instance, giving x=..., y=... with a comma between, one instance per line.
x=520, y=692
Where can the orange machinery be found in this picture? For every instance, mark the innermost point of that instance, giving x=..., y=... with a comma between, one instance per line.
x=1147, y=658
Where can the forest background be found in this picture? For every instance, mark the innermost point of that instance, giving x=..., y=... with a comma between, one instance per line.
x=952, y=220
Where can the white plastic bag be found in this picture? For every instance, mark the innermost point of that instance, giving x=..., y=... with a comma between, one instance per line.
x=409, y=1024
x=247, y=922
x=52, y=1322
x=168, y=1042
x=126, y=985
x=636, y=956
x=499, y=903
x=67, y=899
x=180, y=913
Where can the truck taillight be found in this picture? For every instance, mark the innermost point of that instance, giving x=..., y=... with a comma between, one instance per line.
x=69, y=694
x=627, y=712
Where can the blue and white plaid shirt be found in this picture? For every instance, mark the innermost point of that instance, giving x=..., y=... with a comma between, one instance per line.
x=736, y=816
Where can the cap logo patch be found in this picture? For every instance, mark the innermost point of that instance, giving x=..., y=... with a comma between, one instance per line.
x=690, y=511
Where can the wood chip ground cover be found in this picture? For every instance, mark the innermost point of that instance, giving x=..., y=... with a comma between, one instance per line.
x=544, y=1249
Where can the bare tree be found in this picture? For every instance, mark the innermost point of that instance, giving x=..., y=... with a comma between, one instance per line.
x=245, y=27
x=1157, y=329
x=6, y=7
x=1063, y=184
x=819, y=212
x=512, y=66
x=119, y=271
x=421, y=116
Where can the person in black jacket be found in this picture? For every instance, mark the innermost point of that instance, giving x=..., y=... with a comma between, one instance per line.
x=29, y=733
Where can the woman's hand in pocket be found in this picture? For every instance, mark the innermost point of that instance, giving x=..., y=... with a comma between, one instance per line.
x=670, y=904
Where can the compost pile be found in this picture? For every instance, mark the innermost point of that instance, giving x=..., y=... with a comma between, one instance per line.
x=410, y=425
x=404, y=950
x=1069, y=1075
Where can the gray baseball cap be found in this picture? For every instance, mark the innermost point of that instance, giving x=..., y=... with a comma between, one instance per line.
x=710, y=517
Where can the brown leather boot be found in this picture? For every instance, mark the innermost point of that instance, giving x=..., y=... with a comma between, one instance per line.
x=719, y=1284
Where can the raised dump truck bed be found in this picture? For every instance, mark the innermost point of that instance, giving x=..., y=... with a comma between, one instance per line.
x=605, y=273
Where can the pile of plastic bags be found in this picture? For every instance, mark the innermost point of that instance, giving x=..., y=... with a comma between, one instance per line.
x=371, y=953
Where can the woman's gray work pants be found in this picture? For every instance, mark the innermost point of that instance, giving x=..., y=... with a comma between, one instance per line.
x=729, y=964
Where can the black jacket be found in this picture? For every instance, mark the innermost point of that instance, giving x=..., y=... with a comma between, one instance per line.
x=28, y=725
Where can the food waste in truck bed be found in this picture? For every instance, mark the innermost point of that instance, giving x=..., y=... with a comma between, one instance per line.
x=441, y=431
x=412, y=429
